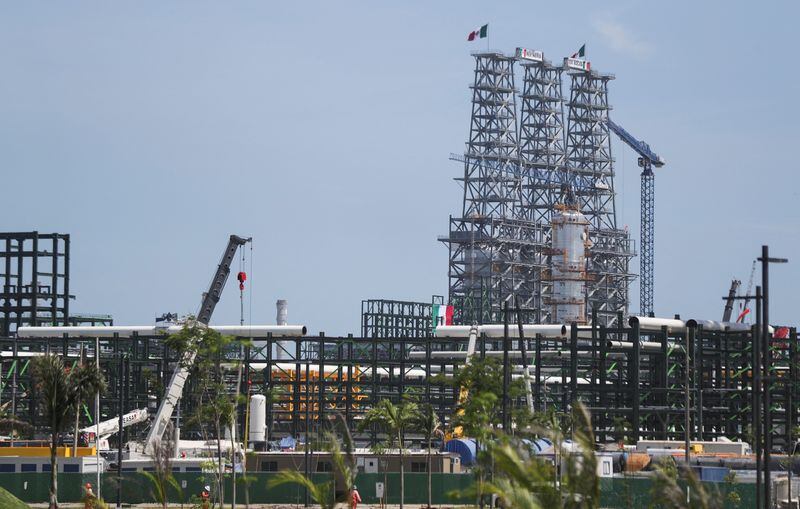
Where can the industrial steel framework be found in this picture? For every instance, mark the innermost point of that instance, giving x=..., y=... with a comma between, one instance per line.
x=492, y=246
x=542, y=161
x=34, y=279
x=631, y=377
x=592, y=181
x=383, y=318
x=513, y=181
x=647, y=243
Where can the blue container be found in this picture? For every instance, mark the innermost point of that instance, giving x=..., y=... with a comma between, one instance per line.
x=466, y=448
x=713, y=474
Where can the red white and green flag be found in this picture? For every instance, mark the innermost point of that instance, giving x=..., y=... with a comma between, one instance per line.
x=441, y=315
x=480, y=33
x=580, y=53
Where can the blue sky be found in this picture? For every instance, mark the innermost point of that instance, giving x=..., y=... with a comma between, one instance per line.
x=150, y=131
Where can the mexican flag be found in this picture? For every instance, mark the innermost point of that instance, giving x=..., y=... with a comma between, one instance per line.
x=479, y=33
x=441, y=315
x=580, y=53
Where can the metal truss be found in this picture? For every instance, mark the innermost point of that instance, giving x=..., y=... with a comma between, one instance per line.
x=34, y=280
x=491, y=261
x=491, y=176
x=397, y=319
x=592, y=180
x=622, y=374
x=542, y=160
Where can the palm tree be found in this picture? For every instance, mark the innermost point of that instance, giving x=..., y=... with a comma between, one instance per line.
x=57, y=398
x=395, y=420
x=526, y=482
x=87, y=381
x=10, y=425
x=429, y=424
x=344, y=468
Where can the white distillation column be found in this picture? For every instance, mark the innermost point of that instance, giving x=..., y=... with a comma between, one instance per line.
x=568, y=272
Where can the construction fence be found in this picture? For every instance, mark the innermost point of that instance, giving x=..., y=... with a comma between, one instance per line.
x=446, y=489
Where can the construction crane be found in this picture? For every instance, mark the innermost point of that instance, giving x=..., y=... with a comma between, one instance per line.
x=746, y=310
x=728, y=311
x=647, y=159
x=106, y=428
x=210, y=298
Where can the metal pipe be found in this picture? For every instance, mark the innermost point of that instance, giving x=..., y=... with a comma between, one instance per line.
x=497, y=331
x=644, y=345
x=651, y=323
x=126, y=331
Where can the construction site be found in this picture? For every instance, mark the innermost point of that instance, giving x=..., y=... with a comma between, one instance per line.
x=539, y=275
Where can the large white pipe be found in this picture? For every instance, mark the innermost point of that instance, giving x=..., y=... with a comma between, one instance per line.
x=498, y=331
x=673, y=325
x=711, y=325
x=126, y=331
x=655, y=324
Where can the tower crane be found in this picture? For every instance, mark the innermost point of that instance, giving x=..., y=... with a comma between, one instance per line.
x=647, y=159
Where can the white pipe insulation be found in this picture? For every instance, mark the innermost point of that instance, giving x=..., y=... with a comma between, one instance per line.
x=126, y=331
x=498, y=331
x=674, y=325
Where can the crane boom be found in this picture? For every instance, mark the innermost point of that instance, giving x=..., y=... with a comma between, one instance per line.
x=178, y=380
x=728, y=311
x=109, y=427
x=647, y=159
x=639, y=146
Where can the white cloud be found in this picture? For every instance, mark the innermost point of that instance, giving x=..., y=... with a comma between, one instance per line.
x=621, y=39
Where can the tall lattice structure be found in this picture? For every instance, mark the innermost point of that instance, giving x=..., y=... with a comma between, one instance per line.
x=491, y=245
x=542, y=160
x=34, y=280
x=592, y=180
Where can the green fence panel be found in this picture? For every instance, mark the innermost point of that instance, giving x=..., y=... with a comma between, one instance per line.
x=33, y=488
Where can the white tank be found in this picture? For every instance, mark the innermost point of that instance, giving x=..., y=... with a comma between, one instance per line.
x=570, y=232
x=258, y=419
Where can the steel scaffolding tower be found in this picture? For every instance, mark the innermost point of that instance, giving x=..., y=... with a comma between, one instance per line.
x=34, y=273
x=542, y=159
x=492, y=245
x=592, y=180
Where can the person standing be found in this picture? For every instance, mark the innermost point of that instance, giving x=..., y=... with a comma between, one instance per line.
x=88, y=497
x=355, y=497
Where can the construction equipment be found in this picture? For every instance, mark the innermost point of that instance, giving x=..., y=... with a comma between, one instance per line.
x=726, y=314
x=647, y=159
x=463, y=392
x=106, y=428
x=746, y=310
x=175, y=388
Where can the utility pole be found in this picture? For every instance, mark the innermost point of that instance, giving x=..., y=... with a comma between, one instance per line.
x=767, y=360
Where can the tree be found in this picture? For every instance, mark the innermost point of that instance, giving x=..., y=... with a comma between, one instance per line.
x=395, y=420
x=87, y=381
x=214, y=405
x=428, y=423
x=670, y=491
x=161, y=478
x=525, y=481
x=57, y=398
x=344, y=468
x=10, y=425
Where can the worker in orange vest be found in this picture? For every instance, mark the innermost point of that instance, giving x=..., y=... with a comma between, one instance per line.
x=355, y=497
x=88, y=497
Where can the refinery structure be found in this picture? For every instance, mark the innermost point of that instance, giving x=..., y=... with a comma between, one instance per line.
x=537, y=161
x=538, y=275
